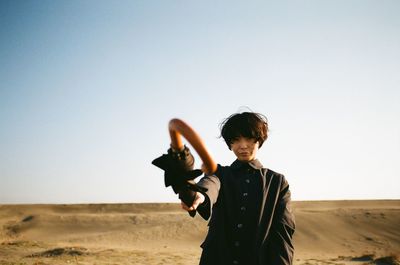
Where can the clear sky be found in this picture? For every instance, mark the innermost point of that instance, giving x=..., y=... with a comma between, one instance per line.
x=87, y=89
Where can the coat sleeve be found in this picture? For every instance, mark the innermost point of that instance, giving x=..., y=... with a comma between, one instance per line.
x=280, y=244
x=212, y=183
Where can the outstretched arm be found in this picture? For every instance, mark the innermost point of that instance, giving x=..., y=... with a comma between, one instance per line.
x=178, y=173
x=205, y=199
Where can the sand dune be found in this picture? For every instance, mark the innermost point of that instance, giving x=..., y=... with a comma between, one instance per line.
x=328, y=232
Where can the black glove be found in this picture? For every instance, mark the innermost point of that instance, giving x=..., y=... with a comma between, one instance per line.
x=179, y=174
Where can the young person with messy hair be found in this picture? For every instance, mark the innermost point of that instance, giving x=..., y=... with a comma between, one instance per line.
x=251, y=220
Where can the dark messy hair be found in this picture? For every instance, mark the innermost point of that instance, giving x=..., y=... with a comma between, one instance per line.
x=247, y=124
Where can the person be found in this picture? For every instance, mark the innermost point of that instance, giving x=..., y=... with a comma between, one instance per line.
x=249, y=206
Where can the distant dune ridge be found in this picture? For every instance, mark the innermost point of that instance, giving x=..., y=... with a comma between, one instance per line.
x=328, y=232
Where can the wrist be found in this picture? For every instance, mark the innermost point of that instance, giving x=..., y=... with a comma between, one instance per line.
x=201, y=197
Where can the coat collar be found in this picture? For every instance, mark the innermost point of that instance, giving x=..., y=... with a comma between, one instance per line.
x=256, y=164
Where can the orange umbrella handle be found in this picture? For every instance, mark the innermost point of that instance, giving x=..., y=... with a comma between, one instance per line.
x=177, y=128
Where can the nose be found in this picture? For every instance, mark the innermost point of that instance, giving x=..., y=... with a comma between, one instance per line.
x=242, y=143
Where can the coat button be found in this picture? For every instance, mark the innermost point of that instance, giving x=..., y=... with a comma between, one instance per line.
x=247, y=180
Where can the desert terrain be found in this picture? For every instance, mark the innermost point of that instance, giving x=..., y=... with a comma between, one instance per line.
x=328, y=232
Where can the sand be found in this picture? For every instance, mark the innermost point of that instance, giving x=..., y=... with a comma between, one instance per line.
x=328, y=232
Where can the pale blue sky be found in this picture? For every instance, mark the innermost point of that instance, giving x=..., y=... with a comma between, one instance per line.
x=87, y=89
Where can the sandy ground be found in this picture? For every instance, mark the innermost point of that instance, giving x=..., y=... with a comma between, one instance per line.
x=328, y=232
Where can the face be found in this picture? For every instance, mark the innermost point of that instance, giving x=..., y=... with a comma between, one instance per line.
x=245, y=148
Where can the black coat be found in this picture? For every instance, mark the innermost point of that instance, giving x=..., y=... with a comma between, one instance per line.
x=269, y=234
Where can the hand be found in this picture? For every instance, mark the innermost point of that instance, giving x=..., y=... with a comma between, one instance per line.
x=199, y=199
